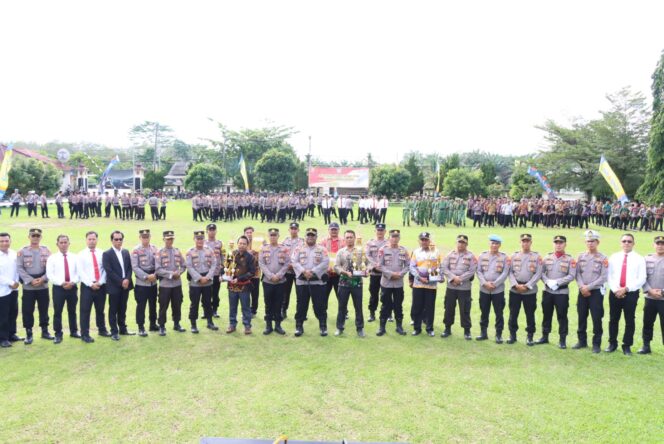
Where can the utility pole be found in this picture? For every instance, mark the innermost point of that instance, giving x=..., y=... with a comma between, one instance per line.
x=309, y=165
x=157, y=163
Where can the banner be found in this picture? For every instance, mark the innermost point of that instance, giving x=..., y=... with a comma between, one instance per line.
x=344, y=177
x=437, y=176
x=4, y=169
x=542, y=180
x=104, y=175
x=612, y=180
x=243, y=173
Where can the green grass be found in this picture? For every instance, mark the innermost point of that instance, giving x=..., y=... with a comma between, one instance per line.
x=417, y=389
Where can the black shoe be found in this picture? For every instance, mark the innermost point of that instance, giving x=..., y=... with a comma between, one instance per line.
x=178, y=328
x=5, y=344
x=511, y=340
x=57, y=340
x=579, y=345
x=46, y=335
x=154, y=327
x=627, y=351
x=115, y=337
x=446, y=333
x=380, y=332
x=279, y=330
x=127, y=333
x=483, y=336
x=416, y=332
x=105, y=334
x=596, y=349
x=400, y=330
x=529, y=341
x=323, y=332
x=543, y=340
x=194, y=328
x=28, y=339
x=499, y=339
x=431, y=333
x=361, y=333
x=162, y=331
x=142, y=333
x=372, y=316
x=268, y=330
x=211, y=326
x=87, y=339
x=299, y=331
x=611, y=348
x=390, y=319
x=75, y=335
x=645, y=350
x=15, y=338
x=562, y=344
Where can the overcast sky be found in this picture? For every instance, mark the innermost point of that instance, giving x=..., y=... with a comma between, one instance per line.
x=357, y=76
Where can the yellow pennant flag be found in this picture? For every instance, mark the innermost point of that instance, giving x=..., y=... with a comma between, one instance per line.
x=612, y=180
x=4, y=170
x=243, y=173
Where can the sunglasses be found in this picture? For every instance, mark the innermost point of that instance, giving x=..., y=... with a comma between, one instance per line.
x=627, y=241
x=35, y=235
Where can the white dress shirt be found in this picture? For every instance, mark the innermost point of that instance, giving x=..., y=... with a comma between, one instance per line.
x=86, y=270
x=118, y=254
x=8, y=272
x=636, y=271
x=55, y=268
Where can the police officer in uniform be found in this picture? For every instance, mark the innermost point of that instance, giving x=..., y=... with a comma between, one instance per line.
x=201, y=266
x=31, y=267
x=394, y=264
x=273, y=261
x=653, y=288
x=145, y=288
x=216, y=246
x=525, y=272
x=591, y=274
x=459, y=268
x=310, y=263
x=371, y=251
x=558, y=270
x=292, y=242
x=492, y=271
x=169, y=266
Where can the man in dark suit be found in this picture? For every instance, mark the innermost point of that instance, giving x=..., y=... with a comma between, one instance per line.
x=117, y=263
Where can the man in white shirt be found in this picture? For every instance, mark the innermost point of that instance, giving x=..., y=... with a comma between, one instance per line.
x=61, y=271
x=8, y=291
x=93, y=287
x=627, y=274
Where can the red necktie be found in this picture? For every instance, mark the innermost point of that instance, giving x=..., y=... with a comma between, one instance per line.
x=95, y=265
x=623, y=273
x=67, y=277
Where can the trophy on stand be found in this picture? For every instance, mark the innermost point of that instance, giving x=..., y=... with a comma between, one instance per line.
x=434, y=274
x=229, y=263
x=358, y=264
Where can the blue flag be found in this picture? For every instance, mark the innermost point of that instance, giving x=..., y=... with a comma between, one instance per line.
x=104, y=176
x=542, y=180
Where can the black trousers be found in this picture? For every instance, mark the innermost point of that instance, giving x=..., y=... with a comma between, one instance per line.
x=154, y=212
x=617, y=306
x=288, y=285
x=561, y=304
x=652, y=308
x=529, y=302
x=315, y=293
x=60, y=296
x=273, y=296
x=90, y=297
x=145, y=296
x=326, y=216
x=5, y=309
x=13, y=311
x=498, y=302
x=61, y=211
x=255, y=294
x=593, y=304
x=216, y=286
x=202, y=295
x=162, y=212
x=464, y=298
x=391, y=299
x=424, y=304
x=117, y=311
x=344, y=294
x=28, y=307
x=15, y=209
x=374, y=290
x=170, y=296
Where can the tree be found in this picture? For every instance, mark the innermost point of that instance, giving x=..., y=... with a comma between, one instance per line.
x=523, y=184
x=489, y=172
x=203, y=177
x=652, y=189
x=154, y=180
x=462, y=182
x=387, y=180
x=152, y=135
x=275, y=171
x=31, y=174
x=416, y=182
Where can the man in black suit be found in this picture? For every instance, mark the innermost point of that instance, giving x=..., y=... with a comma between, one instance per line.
x=117, y=263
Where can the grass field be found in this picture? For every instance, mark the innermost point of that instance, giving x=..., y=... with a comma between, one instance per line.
x=417, y=389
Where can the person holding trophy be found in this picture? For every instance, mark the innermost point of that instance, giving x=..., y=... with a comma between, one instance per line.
x=351, y=266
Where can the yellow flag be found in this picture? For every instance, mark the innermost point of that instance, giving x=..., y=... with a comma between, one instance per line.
x=612, y=180
x=243, y=173
x=4, y=170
